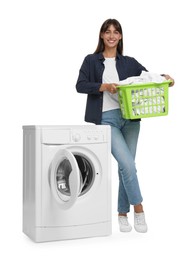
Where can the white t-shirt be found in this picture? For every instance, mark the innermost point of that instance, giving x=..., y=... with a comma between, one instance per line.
x=110, y=75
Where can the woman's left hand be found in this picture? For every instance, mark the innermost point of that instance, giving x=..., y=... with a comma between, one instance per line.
x=169, y=78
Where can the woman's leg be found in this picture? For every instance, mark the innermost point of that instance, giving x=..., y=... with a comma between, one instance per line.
x=124, y=137
x=130, y=133
x=129, y=191
x=127, y=171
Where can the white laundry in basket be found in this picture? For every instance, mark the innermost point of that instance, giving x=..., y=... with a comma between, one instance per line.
x=144, y=77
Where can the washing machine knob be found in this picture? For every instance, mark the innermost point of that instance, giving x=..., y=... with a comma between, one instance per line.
x=76, y=137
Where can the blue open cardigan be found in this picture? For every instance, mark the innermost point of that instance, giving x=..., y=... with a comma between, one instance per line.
x=90, y=80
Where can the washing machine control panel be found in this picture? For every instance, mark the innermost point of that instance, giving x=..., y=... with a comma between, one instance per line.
x=87, y=136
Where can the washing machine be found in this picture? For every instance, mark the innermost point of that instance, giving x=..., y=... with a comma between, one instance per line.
x=66, y=182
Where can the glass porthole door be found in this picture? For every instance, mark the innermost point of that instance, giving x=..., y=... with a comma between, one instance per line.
x=65, y=179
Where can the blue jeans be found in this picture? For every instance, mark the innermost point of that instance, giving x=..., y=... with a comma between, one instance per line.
x=124, y=137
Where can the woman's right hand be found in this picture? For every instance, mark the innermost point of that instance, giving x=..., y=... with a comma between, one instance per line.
x=110, y=87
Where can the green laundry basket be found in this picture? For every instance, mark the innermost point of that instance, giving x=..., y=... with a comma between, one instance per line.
x=144, y=100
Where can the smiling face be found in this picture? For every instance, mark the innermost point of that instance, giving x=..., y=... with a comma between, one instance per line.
x=111, y=37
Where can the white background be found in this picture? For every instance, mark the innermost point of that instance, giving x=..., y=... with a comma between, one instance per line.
x=42, y=46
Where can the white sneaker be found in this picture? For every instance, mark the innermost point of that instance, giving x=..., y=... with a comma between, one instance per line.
x=124, y=225
x=140, y=223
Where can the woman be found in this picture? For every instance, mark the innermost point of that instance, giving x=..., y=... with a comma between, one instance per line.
x=99, y=75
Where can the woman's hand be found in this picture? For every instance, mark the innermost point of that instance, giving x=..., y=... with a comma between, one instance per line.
x=110, y=87
x=167, y=77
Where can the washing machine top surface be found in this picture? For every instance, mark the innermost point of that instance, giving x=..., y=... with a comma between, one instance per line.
x=88, y=126
x=71, y=134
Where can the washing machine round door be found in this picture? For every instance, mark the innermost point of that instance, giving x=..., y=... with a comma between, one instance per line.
x=65, y=179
